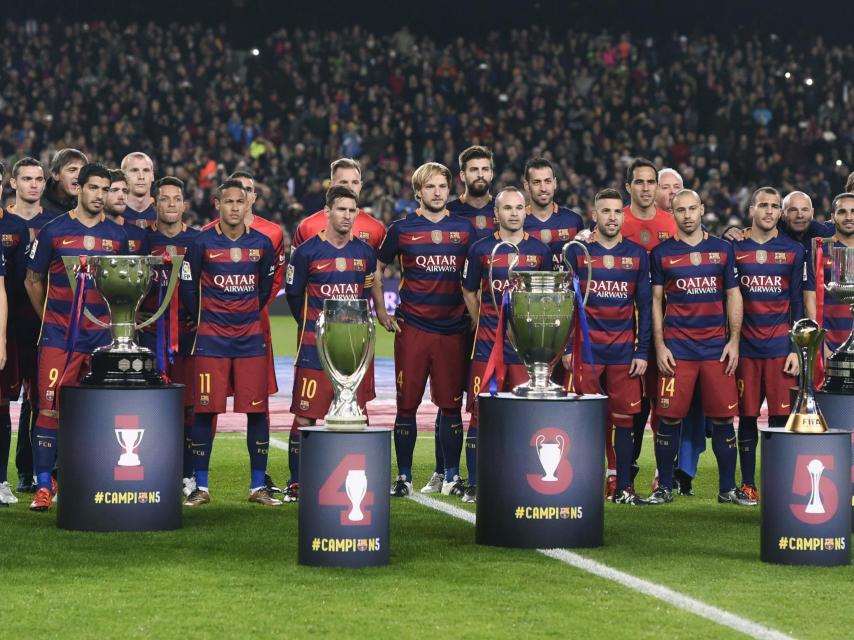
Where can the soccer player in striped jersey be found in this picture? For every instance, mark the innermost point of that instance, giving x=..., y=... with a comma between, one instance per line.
x=431, y=323
x=139, y=169
x=697, y=273
x=115, y=208
x=481, y=294
x=618, y=312
x=82, y=231
x=226, y=280
x=770, y=273
x=331, y=264
x=476, y=205
x=546, y=221
x=344, y=172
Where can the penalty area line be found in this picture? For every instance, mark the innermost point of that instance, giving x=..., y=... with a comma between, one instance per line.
x=645, y=587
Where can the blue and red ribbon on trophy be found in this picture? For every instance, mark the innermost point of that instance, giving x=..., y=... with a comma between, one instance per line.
x=78, y=304
x=495, y=369
x=581, y=340
x=818, y=371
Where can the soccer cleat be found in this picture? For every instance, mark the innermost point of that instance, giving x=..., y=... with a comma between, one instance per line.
x=270, y=485
x=434, y=484
x=6, y=495
x=628, y=496
x=736, y=496
x=263, y=496
x=470, y=494
x=401, y=488
x=291, y=492
x=661, y=495
x=750, y=491
x=189, y=485
x=682, y=483
x=26, y=485
x=42, y=501
x=455, y=487
x=198, y=497
x=610, y=488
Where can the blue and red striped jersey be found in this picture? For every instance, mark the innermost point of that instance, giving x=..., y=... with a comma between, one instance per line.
x=483, y=219
x=695, y=281
x=224, y=285
x=619, y=306
x=158, y=245
x=771, y=276
x=67, y=236
x=137, y=238
x=14, y=239
x=837, y=319
x=533, y=256
x=555, y=231
x=140, y=219
x=431, y=256
x=318, y=271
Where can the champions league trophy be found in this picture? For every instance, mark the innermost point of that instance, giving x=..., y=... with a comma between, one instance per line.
x=123, y=282
x=540, y=318
x=806, y=416
x=345, y=345
x=839, y=367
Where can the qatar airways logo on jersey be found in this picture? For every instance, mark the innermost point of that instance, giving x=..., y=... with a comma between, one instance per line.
x=609, y=289
x=437, y=264
x=235, y=283
x=340, y=291
x=698, y=286
x=762, y=284
x=500, y=285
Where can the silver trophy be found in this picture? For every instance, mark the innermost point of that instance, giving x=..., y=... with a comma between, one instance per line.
x=345, y=345
x=839, y=368
x=540, y=318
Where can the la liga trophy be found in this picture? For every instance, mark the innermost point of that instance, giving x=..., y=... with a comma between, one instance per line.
x=345, y=345
x=540, y=312
x=839, y=366
x=806, y=416
x=123, y=282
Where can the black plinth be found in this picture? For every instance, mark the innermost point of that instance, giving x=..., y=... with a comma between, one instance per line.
x=839, y=373
x=344, y=497
x=111, y=368
x=806, y=489
x=540, y=471
x=120, y=454
x=838, y=411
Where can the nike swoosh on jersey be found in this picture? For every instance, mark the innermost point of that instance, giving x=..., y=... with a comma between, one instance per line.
x=742, y=257
x=214, y=255
x=732, y=406
x=676, y=261
x=65, y=243
x=416, y=238
x=458, y=398
x=784, y=406
x=634, y=404
x=321, y=267
x=255, y=403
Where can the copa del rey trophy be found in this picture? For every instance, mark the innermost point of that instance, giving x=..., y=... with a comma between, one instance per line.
x=345, y=345
x=839, y=367
x=806, y=416
x=540, y=313
x=123, y=282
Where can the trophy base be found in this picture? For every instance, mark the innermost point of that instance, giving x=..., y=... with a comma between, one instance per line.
x=346, y=423
x=805, y=423
x=123, y=368
x=551, y=391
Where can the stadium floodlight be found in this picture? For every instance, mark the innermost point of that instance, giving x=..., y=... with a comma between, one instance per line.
x=838, y=162
x=255, y=51
x=788, y=75
x=808, y=82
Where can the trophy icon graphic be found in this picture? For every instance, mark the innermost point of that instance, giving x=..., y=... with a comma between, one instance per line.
x=129, y=440
x=815, y=469
x=129, y=437
x=550, y=454
x=356, y=486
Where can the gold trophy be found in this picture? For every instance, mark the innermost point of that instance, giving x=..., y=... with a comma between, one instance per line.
x=806, y=417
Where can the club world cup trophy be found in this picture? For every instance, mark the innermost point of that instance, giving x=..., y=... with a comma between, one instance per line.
x=540, y=318
x=839, y=367
x=345, y=345
x=806, y=416
x=123, y=282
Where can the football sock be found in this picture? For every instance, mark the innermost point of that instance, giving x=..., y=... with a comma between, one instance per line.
x=24, y=450
x=451, y=439
x=666, y=446
x=747, y=437
x=294, y=440
x=437, y=446
x=202, y=444
x=44, y=454
x=726, y=452
x=471, y=454
x=623, y=448
x=638, y=427
x=257, y=443
x=776, y=422
x=5, y=441
x=405, y=434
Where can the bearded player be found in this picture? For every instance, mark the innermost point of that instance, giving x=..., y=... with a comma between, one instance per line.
x=115, y=208
x=481, y=294
x=476, y=205
x=430, y=324
x=331, y=264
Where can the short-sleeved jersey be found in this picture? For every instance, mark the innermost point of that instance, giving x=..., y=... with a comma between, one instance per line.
x=695, y=281
x=431, y=257
x=648, y=233
x=533, y=256
x=365, y=227
x=836, y=318
x=771, y=278
x=14, y=240
x=67, y=236
x=160, y=244
x=318, y=271
x=482, y=219
x=140, y=219
x=225, y=283
x=555, y=231
x=619, y=305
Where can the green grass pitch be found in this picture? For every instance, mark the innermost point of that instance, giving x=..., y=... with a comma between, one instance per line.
x=285, y=341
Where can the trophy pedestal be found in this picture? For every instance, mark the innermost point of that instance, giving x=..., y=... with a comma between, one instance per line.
x=541, y=471
x=120, y=456
x=838, y=410
x=344, y=497
x=839, y=373
x=806, y=490
x=134, y=368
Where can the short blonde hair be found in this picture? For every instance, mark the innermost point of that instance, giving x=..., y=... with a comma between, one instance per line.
x=426, y=171
x=344, y=163
x=136, y=154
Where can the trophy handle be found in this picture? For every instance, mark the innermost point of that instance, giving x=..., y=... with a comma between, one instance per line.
x=512, y=262
x=560, y=443
x=72, y=266
x=540, y=440
x=572, y=271
x=173, y=279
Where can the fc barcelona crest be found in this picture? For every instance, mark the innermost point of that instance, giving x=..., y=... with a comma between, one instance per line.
x=662, y=236
x=645, y=236
x=696, y=258
x=131, y=246
x=563, y=234
x=546, y=235
x=715, y=257
x=341, y=264
x=531, y=261
x=358, y=264
x=364, y=236
x=436, y=237
x=479, y=222
x=141, y=223
x=628, y=263
x=255, y=255
x=761, y=256
x=455, y=237
x=107, y=245
x=7, y=240
x=780, y=257
x=236, y=254
x=608, y=262
x=88, y=242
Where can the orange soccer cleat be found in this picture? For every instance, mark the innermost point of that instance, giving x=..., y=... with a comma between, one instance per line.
x=43, y=500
